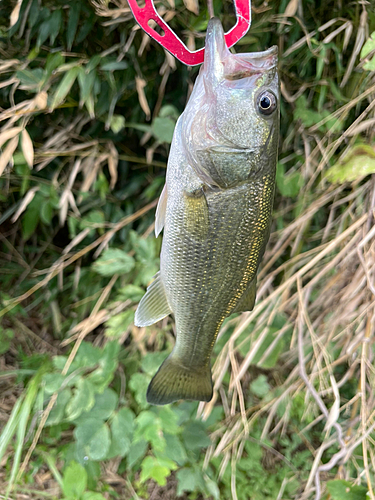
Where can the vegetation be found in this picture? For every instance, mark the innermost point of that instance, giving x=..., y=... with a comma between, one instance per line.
x=88, y=104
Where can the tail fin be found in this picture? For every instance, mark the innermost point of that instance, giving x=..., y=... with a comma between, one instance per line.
x=174, y=381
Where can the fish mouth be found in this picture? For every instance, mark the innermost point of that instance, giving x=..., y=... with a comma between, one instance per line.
x=239, y=66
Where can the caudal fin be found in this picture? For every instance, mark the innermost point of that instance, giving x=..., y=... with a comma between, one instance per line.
x=173, y=382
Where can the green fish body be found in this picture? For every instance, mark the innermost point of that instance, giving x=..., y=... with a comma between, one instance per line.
x=216, y=211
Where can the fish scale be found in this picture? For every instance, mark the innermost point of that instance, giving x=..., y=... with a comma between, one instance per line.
x=216, y=211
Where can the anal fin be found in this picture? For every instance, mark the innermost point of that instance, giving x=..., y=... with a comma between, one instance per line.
x=161, y=210
x=154, y=304
x=247, y=301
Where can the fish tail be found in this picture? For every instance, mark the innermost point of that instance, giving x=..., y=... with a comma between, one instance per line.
x=173, y=381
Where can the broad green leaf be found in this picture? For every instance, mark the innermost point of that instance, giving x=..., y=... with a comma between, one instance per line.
x=122, y=425
x=152, y=361
x=108, y=363
x=163, y=129
x=174, y=449
x=195, y=436
x=132, y=292
x=64, y=87
x=189, y=479
x=57, y=413
x=117, y=123
x=343, y=490
x=117, y=325
x=359, y=162
x=74, y=481
x=99, y=443
x=30, y=79
x=114, y=261
x=52, y=382
x=83, y=399
x=138, y=384
x=105, y=405
x=73, y=18
x=149, y=428
x=156, y=469
x=260, y=386
x=91, y=495
x=290, y=184
x=30, y=220
x=136, y=452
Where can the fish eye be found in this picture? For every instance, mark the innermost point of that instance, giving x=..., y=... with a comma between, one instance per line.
x=267, y=103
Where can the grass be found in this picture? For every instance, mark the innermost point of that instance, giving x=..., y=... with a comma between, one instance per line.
x=293, y=408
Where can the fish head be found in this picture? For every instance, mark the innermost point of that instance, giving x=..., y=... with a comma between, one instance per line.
x=241, y=93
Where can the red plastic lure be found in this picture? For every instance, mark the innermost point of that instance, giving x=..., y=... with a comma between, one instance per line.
x=170, y=41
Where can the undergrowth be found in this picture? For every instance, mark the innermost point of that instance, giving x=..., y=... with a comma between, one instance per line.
x=88, y=105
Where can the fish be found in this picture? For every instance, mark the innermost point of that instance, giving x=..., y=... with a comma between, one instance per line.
x=215, y=209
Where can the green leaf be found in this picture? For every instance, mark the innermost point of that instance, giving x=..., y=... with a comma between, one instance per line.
x=30, y=220
x=122, y=425
x=195, y=436
x=174, y=449
x=30, y=79
x=114, y=261
x=113, y=65
x=137, y=451
x=288, y=184
x=359, y=162
x=117, y=325
x=86, y=83
x=189, y=480
x=64, y=87
x=152, y=361
x=74, y=480
x=55, y=25
x=260, y=386
x=149, y=428
x=367, y=48
x=73, y=18
x=132, y=292
x=138, y=384
x=99, y=443
x=117, y=123
x=156, y=469
x=343, y=490
x=163, y=129
x=105, y=404
x=93, y=438
x=83, y=399
x=58, y=411
x=91, y=495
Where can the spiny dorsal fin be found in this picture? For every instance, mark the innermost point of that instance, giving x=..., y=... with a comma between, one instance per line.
x=154, y=304
x=161, y=211
x=173, y=381
x=247, y=301
x=196, y=216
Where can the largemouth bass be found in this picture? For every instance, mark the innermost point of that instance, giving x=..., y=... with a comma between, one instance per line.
x=215, y=209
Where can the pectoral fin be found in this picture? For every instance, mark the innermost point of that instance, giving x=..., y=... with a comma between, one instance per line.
x=247, y=301
x=154, y=304
x=161, y=210
x=196, y=216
